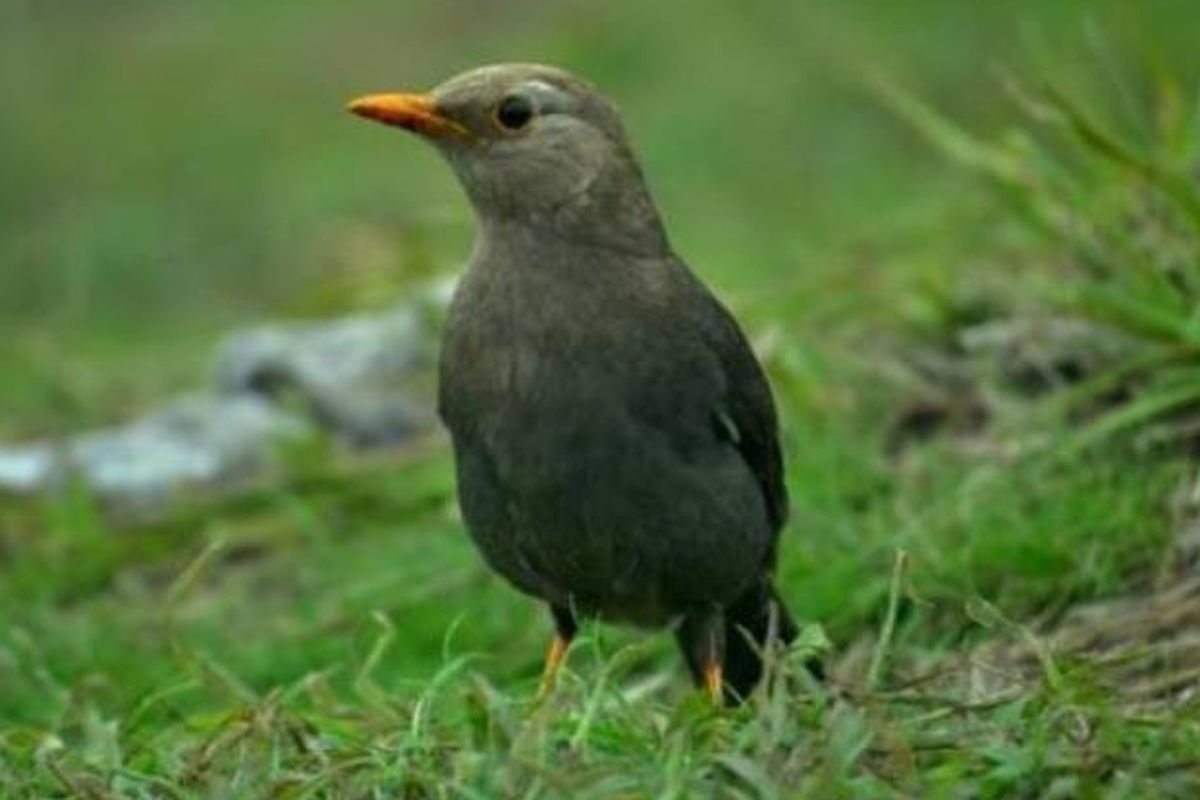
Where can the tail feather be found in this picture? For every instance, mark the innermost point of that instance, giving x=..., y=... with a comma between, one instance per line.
x=748, y=623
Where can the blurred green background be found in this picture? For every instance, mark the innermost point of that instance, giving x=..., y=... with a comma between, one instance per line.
x=170, y=170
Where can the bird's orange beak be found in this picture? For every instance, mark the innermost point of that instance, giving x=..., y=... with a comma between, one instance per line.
x=413, y=112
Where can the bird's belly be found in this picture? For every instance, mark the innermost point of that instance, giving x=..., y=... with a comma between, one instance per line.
x=593, y=511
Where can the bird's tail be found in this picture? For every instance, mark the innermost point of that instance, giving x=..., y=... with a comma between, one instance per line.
x=748, y=622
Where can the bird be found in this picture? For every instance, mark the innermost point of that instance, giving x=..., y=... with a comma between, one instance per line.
x=615, y=439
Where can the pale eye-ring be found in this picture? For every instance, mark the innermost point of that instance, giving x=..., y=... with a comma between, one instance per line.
x=514, y=112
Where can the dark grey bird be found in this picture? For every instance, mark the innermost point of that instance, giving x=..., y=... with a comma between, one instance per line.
x=615, y=437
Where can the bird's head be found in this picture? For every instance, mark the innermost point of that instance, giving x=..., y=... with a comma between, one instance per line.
x=534, y=147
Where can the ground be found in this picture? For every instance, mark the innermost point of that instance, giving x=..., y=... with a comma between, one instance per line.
x=962, y=240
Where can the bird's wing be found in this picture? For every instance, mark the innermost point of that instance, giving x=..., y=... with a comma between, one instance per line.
x=747, y=417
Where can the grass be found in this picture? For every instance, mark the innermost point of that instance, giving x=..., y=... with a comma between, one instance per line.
x=957, y=524
x=1124, y=215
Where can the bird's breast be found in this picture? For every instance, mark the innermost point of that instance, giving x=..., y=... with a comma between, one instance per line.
x=532, y=345
x=589, y=465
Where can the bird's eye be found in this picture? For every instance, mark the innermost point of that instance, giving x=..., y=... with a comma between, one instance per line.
x=514, y=112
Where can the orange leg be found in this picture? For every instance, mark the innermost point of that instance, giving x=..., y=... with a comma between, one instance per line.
x=714, y=683
x=564, y=631
x=555, y=656
x=701, y=637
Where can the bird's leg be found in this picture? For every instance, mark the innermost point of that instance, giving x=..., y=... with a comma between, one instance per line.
x=701, y=637
x=564, y=631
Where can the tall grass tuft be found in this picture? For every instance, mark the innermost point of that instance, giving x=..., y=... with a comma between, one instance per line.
x=1114, y=190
